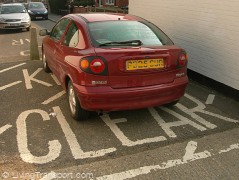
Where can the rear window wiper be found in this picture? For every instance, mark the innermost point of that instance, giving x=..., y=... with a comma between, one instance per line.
x=130, y=43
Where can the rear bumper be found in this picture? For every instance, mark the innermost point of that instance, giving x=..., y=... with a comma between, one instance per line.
x=107, y=99
x=34, y=16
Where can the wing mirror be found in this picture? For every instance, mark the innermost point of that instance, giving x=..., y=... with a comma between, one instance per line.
x=44, y=32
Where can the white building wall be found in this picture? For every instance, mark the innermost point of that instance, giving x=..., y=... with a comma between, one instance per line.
x=207, y=29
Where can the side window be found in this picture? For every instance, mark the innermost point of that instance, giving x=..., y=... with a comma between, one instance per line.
x=59, y=29
x=72, y=36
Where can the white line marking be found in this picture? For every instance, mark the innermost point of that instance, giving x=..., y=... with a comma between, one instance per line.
x=12, y=67
x=15, y=42
x=4, y=128
x=166, y=126
x=112, y=124
x=29, y=78
x=200, y=108
x=58, y=95
x=54, y=146
x=210, y=99
x=189, y=156
x=75, y=147
x=233, y=146
x=25, y=53
x=55, y=79
x=9, y=85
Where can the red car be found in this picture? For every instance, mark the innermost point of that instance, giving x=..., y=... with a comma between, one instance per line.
x=109, y=62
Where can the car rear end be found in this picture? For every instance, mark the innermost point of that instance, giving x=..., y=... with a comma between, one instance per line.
x=126, y=74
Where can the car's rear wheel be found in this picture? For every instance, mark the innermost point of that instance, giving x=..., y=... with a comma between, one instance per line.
x=44, y=62
x=76, y=110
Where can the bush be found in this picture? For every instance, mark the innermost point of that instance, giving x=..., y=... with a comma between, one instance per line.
x=56, y=5
x=82, y=2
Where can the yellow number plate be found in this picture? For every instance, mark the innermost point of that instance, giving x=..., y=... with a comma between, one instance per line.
x=144, y=64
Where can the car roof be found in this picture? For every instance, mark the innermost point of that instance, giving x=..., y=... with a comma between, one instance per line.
x=10, y=4
x=96, y=17
x=35, y=3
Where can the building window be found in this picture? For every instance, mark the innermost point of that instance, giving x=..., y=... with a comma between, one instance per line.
x=110, y=2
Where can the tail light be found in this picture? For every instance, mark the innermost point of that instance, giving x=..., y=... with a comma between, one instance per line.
x=97, y=66
x=94, y=65
x=182, y=59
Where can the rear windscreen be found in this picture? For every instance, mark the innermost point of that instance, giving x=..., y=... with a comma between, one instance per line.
x=121, y=31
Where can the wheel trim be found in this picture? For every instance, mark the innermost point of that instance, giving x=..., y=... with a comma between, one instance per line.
x=44, y=60
x=72, y=100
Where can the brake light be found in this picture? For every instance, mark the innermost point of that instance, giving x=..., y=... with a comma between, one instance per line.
x=182, y=60
x=97, y=66
x=94, y=65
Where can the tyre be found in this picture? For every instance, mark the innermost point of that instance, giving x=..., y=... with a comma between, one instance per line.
x=77, y=112
x=172, y=103
x=44, y=62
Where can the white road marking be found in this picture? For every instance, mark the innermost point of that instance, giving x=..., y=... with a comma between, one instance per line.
x=111, y=123
x=17, y=43
x=29, y=78
x=20, y=42
x=210, y=99
x=200, y=108
x=55, y=79
x=189, y=156
x=4, y=70
x=167, y=125
x=25, y=53
x=58, y=95
x=22, y=141
x=9, y=85
x=75, y=147
x=232, y=147
x=4, y=128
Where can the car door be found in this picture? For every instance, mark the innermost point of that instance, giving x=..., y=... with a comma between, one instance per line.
x=69, y=53
x=54, y=42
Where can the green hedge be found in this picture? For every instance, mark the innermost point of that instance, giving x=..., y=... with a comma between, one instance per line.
x=56, y=5
x=82, y=2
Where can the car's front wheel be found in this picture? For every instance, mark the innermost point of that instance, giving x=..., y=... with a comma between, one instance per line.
x=76, y=110
x=44, y=62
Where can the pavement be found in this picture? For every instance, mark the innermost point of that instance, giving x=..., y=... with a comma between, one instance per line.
x=54, y=17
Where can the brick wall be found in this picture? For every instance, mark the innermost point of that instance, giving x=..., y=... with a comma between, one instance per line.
x=122, y=3
x=119, y=3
